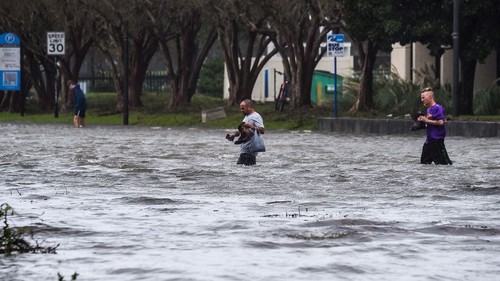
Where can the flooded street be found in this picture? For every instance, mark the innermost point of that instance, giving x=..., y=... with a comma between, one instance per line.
x=142, y=203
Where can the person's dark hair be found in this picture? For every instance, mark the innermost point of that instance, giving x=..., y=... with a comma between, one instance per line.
x=69, y=83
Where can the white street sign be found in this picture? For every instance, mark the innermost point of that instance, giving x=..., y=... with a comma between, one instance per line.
x=55, y=43
x=335, y=45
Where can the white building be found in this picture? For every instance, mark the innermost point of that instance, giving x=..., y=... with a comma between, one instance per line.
x=416, y=56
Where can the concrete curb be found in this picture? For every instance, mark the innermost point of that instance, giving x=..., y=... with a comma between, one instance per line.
x=472, y=129
x=212, y=114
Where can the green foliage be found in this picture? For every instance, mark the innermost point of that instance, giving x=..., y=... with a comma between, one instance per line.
x=61, y=278
x=396, y=96
x=211, y=81
x=392, y=94
x=400, y=97
x=376, y=21
x=9, y=237
x=487, y=101
x=350, y=89
x=101, y=101
x=103, y=86
x=479, y=34
x=12, y=239
x=155, y=113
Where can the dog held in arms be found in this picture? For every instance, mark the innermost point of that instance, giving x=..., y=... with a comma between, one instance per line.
x=417, y=125
x=245, y=134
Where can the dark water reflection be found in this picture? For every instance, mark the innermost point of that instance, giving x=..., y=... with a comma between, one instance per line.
x=128, y=203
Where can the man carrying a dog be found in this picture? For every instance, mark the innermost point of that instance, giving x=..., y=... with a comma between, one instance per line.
x=253, y=121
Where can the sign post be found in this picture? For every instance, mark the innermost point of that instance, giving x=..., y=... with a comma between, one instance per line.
x=335, y=48
x=55, y=47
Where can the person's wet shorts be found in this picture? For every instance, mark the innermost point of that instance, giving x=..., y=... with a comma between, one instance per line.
x=247, y=159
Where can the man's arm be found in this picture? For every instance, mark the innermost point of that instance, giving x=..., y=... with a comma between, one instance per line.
x=232, y=135
x=254, y=127
x=430, y=121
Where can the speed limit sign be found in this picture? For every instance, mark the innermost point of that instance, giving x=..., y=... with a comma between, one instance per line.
x=55, y=43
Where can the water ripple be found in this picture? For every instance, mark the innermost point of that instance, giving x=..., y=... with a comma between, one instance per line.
x=137, y=203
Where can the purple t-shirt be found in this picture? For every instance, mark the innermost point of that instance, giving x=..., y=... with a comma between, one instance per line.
x=435, y=112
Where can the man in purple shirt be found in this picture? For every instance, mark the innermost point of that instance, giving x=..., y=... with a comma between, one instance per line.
x=434, y=149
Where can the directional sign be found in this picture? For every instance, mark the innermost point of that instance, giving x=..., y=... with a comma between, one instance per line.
x=335, y=45
x=10, y=62
x=55, y=43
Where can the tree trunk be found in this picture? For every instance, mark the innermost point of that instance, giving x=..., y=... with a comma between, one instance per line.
x=43, y=82
x=137, y=74
x=144, y=47
x=190, y=60
x=10, y=101
x=367, y=57
x=199, y=60
x=301, y=84
x=136, y=81
x=240, y=91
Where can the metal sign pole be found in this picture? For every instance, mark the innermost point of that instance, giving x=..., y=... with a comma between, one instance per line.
x=335, y=87
x=56, y=95
x=335, y=48
x=56, y=46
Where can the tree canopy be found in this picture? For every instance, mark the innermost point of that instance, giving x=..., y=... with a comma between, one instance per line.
x=248, y=34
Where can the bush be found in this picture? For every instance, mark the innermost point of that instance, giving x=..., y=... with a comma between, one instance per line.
x=396, y=96
x=487, y=101
x=12, y=239
x=349, y=93
x=211, y=81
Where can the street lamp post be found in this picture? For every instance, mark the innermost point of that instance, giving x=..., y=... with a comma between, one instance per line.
x=456, y=58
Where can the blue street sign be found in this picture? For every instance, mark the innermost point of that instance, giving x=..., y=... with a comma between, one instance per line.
x=335, y=45
x=10, y=62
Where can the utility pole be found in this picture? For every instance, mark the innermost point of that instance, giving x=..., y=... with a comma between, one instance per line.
x=456, y=58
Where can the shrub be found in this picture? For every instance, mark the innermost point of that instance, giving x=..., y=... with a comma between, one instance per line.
x=211, y=81
x=12, y=239
x=396, y=96
x=487, y=101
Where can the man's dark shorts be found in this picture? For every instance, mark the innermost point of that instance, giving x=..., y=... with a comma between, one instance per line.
x=80, y=113
x=435, y=152
x=247, y=159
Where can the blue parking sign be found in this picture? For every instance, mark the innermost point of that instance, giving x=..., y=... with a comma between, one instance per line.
x=10, y=62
